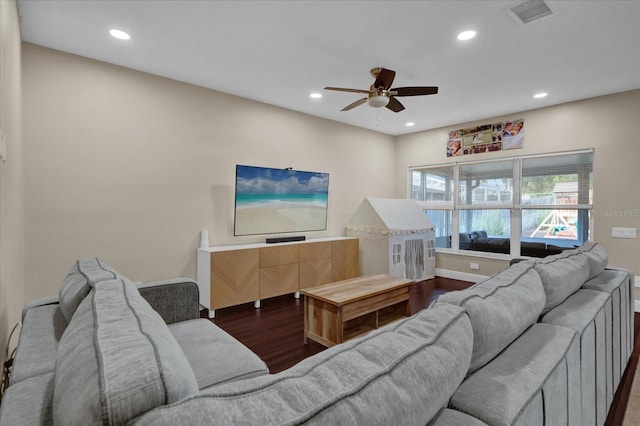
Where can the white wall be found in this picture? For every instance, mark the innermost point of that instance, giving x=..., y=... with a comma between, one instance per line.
x=609, y=124
x=11, y=176
x=130, y=167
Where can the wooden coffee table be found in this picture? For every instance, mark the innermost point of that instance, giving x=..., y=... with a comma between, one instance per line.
x=336, y=312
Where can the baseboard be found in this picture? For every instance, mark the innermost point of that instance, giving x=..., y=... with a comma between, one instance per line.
x=456, y=275
x=637, y=285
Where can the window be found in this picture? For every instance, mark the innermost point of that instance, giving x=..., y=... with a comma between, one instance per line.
x=557, y=194
x=435, y=187
x=486, y=184
x=485, y=195
x=494, y=222
x=441, y=220
x=536, y=202
x=435, y=184
x=396, y=251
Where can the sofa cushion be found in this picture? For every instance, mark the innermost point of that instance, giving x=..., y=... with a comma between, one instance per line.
x=596, y=255
x=562, y=275
x=117, y=359
x=493, y=245
x=28, y=402
x=535, y=381
x=42, y=328
x=214, y=355
x=79, y=280
x=403, y=373
x=585, y=311
x=619, y=285
x=500, y=308
x=478, y=234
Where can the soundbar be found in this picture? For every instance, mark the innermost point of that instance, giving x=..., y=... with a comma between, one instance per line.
x=285, y=239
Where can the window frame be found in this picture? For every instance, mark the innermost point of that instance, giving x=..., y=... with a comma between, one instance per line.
x=515, y=205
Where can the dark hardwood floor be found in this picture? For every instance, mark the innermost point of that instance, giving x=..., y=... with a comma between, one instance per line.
x=274, y=332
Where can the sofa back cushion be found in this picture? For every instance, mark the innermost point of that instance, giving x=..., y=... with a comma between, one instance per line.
x=117, y=359
x=596, y=255
x=501, y=308
x=79, y=280
x=562, y=275
x=401, y=374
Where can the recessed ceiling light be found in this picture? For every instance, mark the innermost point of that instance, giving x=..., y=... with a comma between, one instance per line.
x=466, y=35
x=410, y=124
x=540, y=95
x=315, y=95
x=119, y=34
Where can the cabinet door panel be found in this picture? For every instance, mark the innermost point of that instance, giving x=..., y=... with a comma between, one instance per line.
x=278, y=255
x=345, y=260
x=315, y=272
x=234, y=277
x=278, y=280
x=315, y=251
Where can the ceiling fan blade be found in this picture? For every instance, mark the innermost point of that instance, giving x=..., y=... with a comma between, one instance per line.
x=395, y=105
x=342, y=89
x=355, y=104
x=384, y=78
x=415, y=91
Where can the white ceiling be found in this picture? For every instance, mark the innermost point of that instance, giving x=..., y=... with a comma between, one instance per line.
x=278, y=52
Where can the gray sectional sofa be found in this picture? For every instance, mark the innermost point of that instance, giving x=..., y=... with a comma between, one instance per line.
x=106, y=350
x=541, y=343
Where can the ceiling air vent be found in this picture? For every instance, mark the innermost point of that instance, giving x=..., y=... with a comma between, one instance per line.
x=530, y=11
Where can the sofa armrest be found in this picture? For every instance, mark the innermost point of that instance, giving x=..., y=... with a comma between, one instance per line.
x=175, y=300
x=42, y=301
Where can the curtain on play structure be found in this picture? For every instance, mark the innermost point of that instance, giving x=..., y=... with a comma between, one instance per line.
x=414, y=258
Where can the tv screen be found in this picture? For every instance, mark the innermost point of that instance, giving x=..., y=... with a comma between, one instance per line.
x=273, y=201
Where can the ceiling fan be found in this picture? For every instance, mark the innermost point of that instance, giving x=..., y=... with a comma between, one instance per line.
x=380, y=94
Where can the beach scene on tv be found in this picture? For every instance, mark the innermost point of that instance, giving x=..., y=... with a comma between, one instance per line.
x=270, y=201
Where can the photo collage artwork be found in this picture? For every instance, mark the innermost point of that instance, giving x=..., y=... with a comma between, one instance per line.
x=486, y=138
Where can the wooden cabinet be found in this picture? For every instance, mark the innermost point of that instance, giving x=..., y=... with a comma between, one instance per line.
x=278, y=270
x=345, y=259
x=315, y=264
x=232, y=275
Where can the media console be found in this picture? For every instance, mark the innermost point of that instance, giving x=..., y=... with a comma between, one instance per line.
x=235, y=274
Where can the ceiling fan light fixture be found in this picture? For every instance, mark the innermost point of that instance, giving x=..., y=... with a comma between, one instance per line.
x=378, y=101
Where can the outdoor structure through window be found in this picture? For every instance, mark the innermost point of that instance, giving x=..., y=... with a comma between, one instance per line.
x=520, y=206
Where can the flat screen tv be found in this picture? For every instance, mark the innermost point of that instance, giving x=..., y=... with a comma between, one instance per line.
x=276, y=201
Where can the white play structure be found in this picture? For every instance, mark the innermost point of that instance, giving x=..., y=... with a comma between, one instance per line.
x=396, y=238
